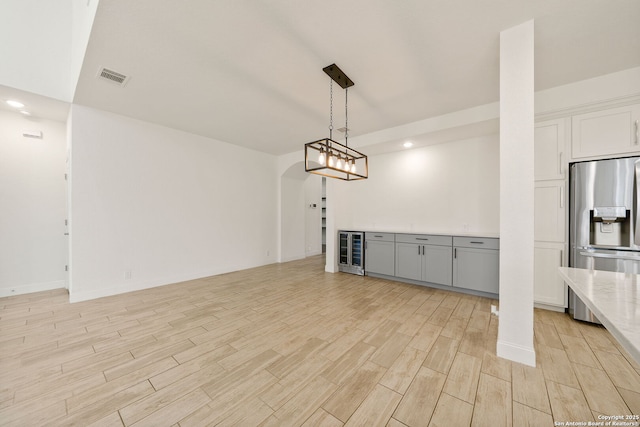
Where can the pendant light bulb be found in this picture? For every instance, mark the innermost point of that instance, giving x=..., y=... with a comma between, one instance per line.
x=339, y=163
x=332, y=160
x=347, y=166
x=353, y=167
x=322, y=159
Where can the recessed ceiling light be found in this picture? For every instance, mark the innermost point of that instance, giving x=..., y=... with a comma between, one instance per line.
x=15, y=104
x=408, y=144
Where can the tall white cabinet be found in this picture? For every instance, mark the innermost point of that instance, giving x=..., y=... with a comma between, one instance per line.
x=550, y=216
x=607, y=132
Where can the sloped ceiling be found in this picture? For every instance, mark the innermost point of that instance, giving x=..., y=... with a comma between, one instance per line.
x=249, y=72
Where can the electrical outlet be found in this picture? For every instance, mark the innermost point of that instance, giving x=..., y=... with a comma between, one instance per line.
x=268, y=252
x=127, y=275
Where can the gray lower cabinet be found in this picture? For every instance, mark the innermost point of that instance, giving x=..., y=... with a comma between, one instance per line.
x=424, y=258
x=476, y=264
x=379, y=249
x=437, y=264
x=408, y=261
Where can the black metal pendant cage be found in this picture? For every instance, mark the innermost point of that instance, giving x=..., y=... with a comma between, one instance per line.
x=329, y=158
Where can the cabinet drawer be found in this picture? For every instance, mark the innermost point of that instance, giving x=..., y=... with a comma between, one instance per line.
x=425, y=239
x=477, y=242
x=381, y=237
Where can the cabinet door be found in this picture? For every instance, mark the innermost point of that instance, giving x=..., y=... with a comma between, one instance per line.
x=606, y=132
x=380, y=257
x=437, y=264
x=343, y=255
x=549, y=211
x=357, y=244
x=549, y=146
x=409, y=261
x=476, y=269
x=548, y=287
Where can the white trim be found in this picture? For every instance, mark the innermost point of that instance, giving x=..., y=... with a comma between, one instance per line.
x=516, y=353
x=550, y=307
x=133, y=286
x=589, y=107
x=293, y=258
x=31, y=288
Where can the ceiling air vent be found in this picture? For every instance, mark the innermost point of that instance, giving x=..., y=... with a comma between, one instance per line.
x=113, y=76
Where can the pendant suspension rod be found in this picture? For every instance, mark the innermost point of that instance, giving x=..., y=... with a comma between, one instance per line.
x=330, y=109
x=346, y=117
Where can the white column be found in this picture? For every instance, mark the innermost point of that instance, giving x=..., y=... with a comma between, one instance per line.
x=331, y=257
x=515, y=331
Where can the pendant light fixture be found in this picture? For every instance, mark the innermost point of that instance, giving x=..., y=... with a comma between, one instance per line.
x=327, y=157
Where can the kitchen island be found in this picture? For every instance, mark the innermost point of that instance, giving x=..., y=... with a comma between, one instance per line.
x=615, y=300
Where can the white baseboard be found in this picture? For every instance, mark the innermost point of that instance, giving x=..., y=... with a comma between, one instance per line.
x=293, y=258
x=517, y=353
x=31, y=288
x=81, y=295
x=549, y=307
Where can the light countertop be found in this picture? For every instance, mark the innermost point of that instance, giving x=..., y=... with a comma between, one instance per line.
x=615, y=300
x=438, y=233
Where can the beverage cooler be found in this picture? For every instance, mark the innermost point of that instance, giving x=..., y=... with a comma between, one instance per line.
x=351, y=252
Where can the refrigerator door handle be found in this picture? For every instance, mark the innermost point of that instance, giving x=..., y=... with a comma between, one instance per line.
x=636, y=190
x=612, y=256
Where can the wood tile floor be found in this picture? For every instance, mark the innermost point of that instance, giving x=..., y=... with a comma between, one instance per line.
x=287, y=344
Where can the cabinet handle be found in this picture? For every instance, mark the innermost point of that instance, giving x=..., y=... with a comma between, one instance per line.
x=636, y=133
x=421, y=238
x=562, y=197
x=561, y=258
x=375, y=235
x=418, y=249
x=560, y=168
x=455, y=252
x=479, y=243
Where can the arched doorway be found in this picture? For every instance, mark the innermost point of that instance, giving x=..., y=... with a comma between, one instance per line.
x=300, y=213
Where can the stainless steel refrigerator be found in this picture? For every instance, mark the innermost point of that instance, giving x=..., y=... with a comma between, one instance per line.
x=604, y=228
x=350, y=255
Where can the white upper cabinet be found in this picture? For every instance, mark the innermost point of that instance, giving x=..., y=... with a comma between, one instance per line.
x=549, y=149
x=607, y=132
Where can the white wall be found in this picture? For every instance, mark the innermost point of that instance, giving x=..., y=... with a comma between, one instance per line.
x=313, y=216
x=470, y=166
x=47, y=61
x=32, y=191
x=83, y=14
x=37, y=61
x=300, y=225
x=293, y=219
x=164, y=205
x=448, y=188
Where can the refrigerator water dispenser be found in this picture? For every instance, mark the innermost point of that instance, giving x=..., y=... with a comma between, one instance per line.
x=610, y=226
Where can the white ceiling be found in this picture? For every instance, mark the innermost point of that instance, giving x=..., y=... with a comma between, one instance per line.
x=40, y=107
x=250, y=73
